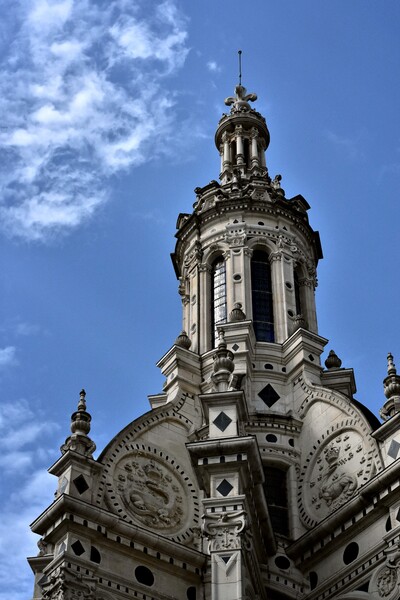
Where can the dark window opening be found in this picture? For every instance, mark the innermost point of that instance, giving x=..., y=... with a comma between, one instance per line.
x=261, y=290
x=144, y=575
x=218, y=296
x=297, y=293
x=95, y=555
x=275, y=489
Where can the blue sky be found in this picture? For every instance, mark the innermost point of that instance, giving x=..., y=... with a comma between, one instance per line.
x=108, y=112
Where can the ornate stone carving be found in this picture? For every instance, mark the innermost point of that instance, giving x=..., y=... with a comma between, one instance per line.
x=240, y=102
x=235, y=239
x=332, y=474
x=226, y=531
x=145, y=488
x=194, y=255
x=386, y=579
x=64, y=584
x=150, y=493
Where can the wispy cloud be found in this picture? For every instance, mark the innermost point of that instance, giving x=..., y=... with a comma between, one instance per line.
x=213, y=66
x=7, y=357
x=351, y=145
x=83, y=88
x=27, y=447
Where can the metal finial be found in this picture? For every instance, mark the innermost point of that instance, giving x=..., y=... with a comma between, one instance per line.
x=240, y=66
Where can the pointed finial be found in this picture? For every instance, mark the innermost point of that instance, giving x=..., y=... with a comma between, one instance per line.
x=333, y=361
x=240, y=67
x=237, y=313
x=223, y=364
x=82, y=401
x=391, y=388
x=79, y=441
x=183, y=340
x=391, y=366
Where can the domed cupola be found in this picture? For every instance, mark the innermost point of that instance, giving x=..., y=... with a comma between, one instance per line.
x=242, y=138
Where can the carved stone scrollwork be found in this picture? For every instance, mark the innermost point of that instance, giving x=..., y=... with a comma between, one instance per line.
x=226, y=531
x=235, y=240
x=385, y=582
x=275, y=256
x=194, y=256
x=64, y=584
x=308, y=282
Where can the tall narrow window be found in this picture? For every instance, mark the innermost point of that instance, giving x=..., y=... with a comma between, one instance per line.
x=261, y=287
x=276, y=495
x=218, y=306
x=297, y=293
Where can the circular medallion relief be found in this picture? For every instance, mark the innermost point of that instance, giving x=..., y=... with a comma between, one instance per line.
x=332, y=474
x=147, y=489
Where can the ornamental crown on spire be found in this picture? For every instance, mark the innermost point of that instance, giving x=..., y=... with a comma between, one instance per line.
x=240, y=102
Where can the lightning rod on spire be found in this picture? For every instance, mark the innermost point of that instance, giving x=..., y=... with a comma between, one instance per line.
x=240, y=66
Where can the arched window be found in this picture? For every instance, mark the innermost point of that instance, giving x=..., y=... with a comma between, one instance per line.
x=218, y=300
x=276, y=495
x=261, y=290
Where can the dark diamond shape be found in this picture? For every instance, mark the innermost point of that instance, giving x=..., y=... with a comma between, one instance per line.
x=77, y=548
x=81, y=484
x=235, y=347
x=222, y=421
x=225, y=559
x=224, y=488
x=394, y=449
x=269, y=395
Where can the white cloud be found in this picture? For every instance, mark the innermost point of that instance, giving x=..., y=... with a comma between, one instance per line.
x=213, y=66
x=27, y=447
x=352, y=146
x=7, y=356
x=84, y=92
x=33, y=495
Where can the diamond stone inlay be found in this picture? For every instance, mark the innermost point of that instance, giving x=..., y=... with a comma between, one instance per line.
x=222, y=421
x=224, y=488
x=235, y=347
x=269, y=395
x=394, y=449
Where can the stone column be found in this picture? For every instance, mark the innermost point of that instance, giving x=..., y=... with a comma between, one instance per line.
x=226, y=154
x=307, y=297
x=239, y=145
x=254, y=148
x=247, y=299
x=278, y=297
x=205, y=308
x=226, y=534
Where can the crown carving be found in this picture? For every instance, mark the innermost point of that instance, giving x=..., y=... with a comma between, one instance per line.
x=331, y=454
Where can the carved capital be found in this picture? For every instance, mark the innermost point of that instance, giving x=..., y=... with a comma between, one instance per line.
x=275, y=256
x=205, y=268
x=235, y=240
x=226, y=531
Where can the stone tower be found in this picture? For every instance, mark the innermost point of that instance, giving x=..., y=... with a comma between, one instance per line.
x=256, y=474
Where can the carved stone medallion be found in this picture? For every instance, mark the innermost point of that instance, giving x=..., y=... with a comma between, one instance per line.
x=148, y=490
x=332, y=474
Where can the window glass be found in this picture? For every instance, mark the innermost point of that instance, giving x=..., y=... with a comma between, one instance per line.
x=275, y=488
x=218, y=296
x=263, y=316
